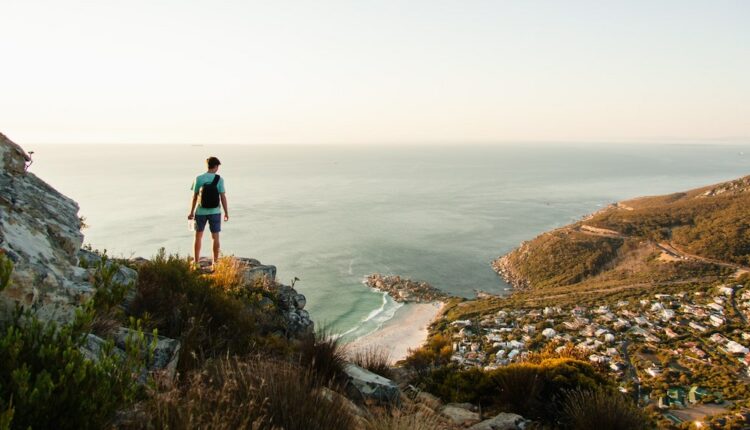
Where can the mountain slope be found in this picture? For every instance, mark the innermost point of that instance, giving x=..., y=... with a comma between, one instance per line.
x=684, y=237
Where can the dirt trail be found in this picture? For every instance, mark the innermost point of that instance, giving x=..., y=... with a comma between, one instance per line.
x=598, y=231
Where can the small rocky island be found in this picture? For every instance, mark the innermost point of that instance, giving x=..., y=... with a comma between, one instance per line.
x=405, y=290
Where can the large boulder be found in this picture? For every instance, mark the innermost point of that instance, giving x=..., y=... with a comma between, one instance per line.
x=366, y=385
x=40, y=233
x=460, y=414
x=503, y=421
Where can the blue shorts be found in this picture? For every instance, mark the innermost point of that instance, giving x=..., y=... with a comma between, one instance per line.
x=214, y=222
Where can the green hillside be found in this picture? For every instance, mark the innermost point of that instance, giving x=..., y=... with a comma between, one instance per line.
x=683, y=237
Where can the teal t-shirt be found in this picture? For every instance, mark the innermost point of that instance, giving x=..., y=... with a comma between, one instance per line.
x=207, y=178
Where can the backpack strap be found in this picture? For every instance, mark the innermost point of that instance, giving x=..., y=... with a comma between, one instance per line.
x=216, y=180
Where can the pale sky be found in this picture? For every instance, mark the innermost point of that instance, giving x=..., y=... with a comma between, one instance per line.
x=360, y=71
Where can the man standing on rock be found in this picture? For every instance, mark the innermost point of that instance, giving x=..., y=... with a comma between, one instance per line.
x=209, y=187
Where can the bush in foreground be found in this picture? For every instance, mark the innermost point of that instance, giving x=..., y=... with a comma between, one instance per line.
x=595, y=409
x=533, y=390
x=46, y=381
x=324, y=355
x=374, y=359
x=437, y=351
x=255, y=393
x=207, y=314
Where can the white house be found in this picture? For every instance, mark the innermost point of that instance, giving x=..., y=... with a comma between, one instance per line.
x=736, y=348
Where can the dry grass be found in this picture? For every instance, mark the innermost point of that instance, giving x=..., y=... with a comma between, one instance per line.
x=600, y=409
x=324, y=355
x=256, y=393
x=228, y=274
x=408, y=418
x=104, y=325
x=374, y=359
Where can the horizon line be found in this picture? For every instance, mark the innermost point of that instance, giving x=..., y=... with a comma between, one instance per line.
x=640, y=141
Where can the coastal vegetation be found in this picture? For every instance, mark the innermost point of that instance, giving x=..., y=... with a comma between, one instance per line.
x=709, y=221
x=237, y=368
x=374, y=359
x=545, y=391
x=246, y=393
x=210, y=315
x=651, y=294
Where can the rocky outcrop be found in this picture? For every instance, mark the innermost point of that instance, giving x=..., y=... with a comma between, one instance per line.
x=504, y=267
x=165, y=354
x=255, y=271
x=291, y=303
x=365, y=385
x=40, y=233
x=405, y=290
x=503, y=421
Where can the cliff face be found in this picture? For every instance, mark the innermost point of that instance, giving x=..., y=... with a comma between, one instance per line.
x=40, y=233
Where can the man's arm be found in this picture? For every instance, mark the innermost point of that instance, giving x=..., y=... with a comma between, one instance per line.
x=224, y=205
x=191, y=215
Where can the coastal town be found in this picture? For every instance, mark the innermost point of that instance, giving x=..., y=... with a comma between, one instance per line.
x=683, y=355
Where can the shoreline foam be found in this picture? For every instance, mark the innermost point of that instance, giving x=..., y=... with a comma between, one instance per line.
x=408, y=329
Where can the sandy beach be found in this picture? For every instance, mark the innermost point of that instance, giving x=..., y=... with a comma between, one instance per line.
x=406, y=330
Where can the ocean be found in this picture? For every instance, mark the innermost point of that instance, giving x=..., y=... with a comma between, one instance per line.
x=332, y=214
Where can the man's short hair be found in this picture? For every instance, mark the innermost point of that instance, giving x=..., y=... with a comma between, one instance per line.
x=212, y=162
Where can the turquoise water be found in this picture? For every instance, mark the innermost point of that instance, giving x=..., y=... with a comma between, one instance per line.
x=332, y=214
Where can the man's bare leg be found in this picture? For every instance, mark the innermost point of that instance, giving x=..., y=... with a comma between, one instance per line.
x=217, y=246
x=197, y=248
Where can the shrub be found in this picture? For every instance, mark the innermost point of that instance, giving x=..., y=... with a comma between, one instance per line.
x=324, y=355
x=595, y=409
x=374, y=359
x=6, y=268
x=519, y=389
x=228, y=274
x=208, y=320
x=529, y=389
x=47, y=382
x=568, y=350
x=108, y=297
x=452, y=384
x=437, y=351
x=255, y=393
